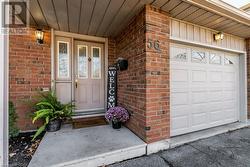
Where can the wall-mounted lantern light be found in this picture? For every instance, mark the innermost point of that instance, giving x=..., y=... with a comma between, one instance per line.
x=39, y=36
x=218, y=36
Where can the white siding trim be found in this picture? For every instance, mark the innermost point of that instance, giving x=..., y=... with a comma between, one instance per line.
x=203, y=36
x=178, y=40
x=243, y=87
x=4, y=96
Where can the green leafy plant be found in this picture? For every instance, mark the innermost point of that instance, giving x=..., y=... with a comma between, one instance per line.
x=13, y=130
x=50, y=108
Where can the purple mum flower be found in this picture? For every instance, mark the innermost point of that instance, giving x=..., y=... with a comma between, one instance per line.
x=117, y=114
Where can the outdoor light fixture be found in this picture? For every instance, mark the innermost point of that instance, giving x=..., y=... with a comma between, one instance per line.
x=39, y=36
x=218, y=36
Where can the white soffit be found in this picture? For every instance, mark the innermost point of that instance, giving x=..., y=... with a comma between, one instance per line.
x=213, y=14
x=109, y=17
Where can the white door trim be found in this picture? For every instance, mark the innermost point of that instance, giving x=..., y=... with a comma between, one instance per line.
x=81, y=36
x=75, y=36
x=52, y=51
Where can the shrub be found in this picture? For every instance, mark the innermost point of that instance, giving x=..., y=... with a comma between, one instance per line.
x=13, y=130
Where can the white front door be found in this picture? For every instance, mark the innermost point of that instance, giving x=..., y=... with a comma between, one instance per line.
x=89, y=76
x=204, y=88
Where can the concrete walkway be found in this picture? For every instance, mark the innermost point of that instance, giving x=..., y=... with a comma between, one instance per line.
x=87, y=147
x=230, y=149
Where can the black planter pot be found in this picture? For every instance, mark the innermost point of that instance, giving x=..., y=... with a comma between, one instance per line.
x=54, y=125
x=116, y=125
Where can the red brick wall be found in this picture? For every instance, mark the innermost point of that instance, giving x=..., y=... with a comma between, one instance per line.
x=29, y=71
x=157, y=76
x=130, y=44
x=144, y=88
x=111, y=51
x=248, y=75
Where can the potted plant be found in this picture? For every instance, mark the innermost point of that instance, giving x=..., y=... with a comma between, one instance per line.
x=117, y=116
x=52, y=112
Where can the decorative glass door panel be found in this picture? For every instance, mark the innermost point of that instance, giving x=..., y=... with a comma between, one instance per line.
x=63, y=59
x=82, y=61
x=96, y=63
x=89, y=76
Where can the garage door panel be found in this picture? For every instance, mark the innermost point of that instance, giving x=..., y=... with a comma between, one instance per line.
x=215, y=76
x=178, y=53
x=229, y=104
x=216, y=116
x=179, y=98
x=197, y=87
x=216, y=106
x=180, y=110
x=199, y=97
x=180, y=123
x=199, y=119
x=229, y=76
x=179, y=75
x=229, y=86
x=203, y=94
x=179, y=88
x=199, y=108
x=229, y=95
x=199, y=76
x=229, y=114
x=215, y=95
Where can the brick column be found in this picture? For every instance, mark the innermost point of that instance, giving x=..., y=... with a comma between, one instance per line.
x=144, y=88
x=157, y=75
x=248, y=76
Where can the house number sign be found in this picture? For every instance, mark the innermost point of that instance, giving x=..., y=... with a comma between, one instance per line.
x=112, y=87
x=155, y=44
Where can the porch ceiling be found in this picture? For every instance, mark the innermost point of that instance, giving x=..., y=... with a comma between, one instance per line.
x=108, y=17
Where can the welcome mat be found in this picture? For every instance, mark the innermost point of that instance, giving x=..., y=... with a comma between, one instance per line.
x=89, y=122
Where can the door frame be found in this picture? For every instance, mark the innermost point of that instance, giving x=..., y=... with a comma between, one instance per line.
x=81, y=37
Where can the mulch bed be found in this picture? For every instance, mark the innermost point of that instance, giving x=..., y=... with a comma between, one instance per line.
x=21, y=149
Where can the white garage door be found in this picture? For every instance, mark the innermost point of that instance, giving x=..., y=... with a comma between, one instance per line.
x=204, y=88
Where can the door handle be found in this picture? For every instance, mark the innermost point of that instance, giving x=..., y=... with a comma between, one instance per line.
x=76, y=81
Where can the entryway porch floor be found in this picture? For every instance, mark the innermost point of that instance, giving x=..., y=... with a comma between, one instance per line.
x=88, y=147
